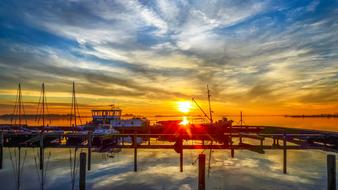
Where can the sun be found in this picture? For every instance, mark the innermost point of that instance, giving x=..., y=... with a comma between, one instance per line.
x=184, y=107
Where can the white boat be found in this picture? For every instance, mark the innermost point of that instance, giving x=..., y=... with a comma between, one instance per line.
x=113, y=118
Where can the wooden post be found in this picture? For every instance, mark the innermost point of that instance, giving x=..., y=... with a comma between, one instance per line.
x=135, y=152
x=82, y=180
x=201, y=172
x=331, y=172
x=232, y=152
x=41, y=152
x=1, y=148
x=232, y=149
x=284, y=154
x=181, y=161
x=89, y=149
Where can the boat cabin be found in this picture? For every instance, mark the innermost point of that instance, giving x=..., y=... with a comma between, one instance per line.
x=105, y=116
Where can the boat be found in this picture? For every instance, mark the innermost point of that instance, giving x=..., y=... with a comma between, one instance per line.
x=112, y=118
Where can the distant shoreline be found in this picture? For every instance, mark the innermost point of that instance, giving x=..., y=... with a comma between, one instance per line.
x=34, y=116
x=316, y=115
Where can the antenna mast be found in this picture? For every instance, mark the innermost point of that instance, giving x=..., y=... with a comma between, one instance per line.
x=210, y=111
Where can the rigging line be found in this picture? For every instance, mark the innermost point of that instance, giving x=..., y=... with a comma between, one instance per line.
x=71, y=113
x=205, y=115
x=78, y=112
x=70, y=163
x=200, y=153
x=19, y=103
x=37, y=117
x=15, y=108
x=209, y=163
x=46, y=106
x=23, y=163
x=12, y=163
x=37, y=170
x=74, y=170
x=19, y=171
x=23, y=110
x=47, y=164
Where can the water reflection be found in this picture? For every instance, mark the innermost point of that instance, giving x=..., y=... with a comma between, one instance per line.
x=159, y=169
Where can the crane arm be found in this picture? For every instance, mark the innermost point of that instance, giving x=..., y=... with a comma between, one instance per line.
x=201, y=109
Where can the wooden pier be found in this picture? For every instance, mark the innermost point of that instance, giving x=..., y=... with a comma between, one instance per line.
x=252, y=138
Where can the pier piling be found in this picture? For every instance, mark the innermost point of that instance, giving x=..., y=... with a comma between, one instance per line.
x=181, y=161
x=89, y=149
x=135, y=153
x=1, y=148
x=82, y=180
x=331, y=172
x=201, y=172
x=284, y=155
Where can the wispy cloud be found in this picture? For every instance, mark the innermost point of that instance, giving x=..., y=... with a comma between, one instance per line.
x=248, y=51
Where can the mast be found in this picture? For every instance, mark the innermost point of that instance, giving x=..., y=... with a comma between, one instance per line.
x=210, y=111
x=19, y=110
x=42, y=107
x=19, y=104
x=74, y=110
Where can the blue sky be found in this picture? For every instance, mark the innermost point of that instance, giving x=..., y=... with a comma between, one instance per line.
x=281, y=54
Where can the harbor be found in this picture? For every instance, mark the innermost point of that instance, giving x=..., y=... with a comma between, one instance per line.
x=108, y=132
x=168, y=95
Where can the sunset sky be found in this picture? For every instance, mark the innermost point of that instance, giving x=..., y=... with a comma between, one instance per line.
x=262, y=57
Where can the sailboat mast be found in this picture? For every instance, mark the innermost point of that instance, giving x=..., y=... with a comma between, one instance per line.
x=43, y=104
x=20, y=104
x=74, y=103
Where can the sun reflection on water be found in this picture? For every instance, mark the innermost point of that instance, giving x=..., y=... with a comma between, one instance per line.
x=184, y=121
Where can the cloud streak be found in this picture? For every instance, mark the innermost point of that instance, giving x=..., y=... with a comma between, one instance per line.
x=255, y=52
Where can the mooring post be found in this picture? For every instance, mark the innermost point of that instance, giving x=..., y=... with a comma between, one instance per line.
x=284, y=154
x=181, y=160
x=41, y=151
x=331, y=172
x=135, y=152
x=82, y=179
x=1, y=148
x=89, y=149
x=232, y=152
x=201, y=172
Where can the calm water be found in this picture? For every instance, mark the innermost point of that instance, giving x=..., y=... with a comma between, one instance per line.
x=159, y=169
